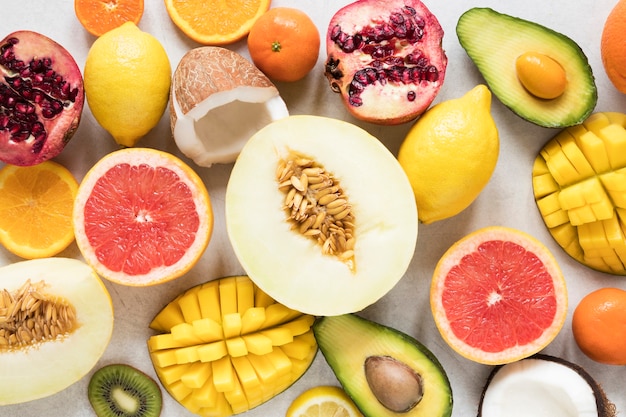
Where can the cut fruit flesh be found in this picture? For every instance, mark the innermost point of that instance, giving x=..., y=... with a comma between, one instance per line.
x=349, y=342
x=157, y=213
x=315, y=275
x=225, y=347
x=40, y=364
x=543, y=386
x=494, y=41
x=498, y=295
x=121, y=390
x=579, y=184
x=211, y=88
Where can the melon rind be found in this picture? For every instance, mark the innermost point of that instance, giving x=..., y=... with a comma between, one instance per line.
x=52, y=366
x=291, y=268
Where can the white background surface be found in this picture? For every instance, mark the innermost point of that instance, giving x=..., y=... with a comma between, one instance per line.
x=507, y=200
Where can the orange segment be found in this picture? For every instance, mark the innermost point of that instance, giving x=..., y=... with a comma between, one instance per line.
x=217, y=22
x=100, y=16
x=36, y=209
x=498, y=296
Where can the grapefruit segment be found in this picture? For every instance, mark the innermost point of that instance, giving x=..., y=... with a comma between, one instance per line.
x=142, y=217
x=498, y=295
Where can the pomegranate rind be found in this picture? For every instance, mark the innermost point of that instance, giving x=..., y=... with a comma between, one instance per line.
x=211, y=88
x=61, y=128
x=146, y=209
x=556, y=294
x=292, y=268
x=52, y=366
x=384, y=103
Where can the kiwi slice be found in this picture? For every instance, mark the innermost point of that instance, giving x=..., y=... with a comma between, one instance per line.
x=120, y=390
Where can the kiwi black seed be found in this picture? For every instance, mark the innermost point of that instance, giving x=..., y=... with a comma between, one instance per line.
x=120, y=390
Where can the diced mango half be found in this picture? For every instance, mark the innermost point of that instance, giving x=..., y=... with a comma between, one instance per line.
x=225, y=346
x=579, y=185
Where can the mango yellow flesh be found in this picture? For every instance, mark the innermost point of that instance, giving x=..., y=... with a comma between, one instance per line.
x=225, y=347
x=579, y=184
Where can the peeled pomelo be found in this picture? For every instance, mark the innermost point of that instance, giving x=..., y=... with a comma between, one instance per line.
x=142, y=217
x=321, y=215
x=57, y=321
x=218, y=99
x=498, y=295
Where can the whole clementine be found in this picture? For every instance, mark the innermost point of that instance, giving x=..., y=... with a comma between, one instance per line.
x=613, y=46
x=284, y=43
x=599, y=325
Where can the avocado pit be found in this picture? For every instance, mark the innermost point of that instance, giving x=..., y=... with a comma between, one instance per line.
x=541, y=76
x=394, y=384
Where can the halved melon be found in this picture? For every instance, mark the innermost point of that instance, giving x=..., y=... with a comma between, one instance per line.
x=56, y=320
x=321, y=215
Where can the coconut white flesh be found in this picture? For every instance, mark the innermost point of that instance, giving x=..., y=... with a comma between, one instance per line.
x=292, y=268
x=51, y=366
x=216, y=129
x=538, y=388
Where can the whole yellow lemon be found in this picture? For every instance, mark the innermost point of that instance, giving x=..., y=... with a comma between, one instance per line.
x=450, y=153
x=127, y=79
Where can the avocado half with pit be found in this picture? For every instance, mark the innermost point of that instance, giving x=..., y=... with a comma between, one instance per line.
x=495, y=41
x=320, y=215
x=543, y=386
x=386, y=372
x=56, y=320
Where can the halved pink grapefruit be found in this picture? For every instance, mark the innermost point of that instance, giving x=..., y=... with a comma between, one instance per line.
x=142, y=217
x=498, y=295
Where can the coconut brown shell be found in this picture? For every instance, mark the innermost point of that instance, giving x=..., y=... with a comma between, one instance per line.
x=207, y=70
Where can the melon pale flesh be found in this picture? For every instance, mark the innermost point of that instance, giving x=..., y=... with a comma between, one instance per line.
x=33, y=366
x=320, y=272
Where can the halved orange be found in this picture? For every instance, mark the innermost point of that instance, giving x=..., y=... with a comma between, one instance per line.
x=142, y=217
x=215, y=22
x=100, y=16
x=36, y=209
x=498, y=295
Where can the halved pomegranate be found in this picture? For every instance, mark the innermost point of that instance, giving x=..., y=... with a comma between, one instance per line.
x=386, y=59
x=41, y=98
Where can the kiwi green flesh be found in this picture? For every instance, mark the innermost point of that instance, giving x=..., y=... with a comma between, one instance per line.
x=541, y=386
x=120, y=390
x=348, y=342
x=494, y=41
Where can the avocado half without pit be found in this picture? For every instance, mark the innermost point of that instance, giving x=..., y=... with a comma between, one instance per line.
x=541, y=75
x=385, y=372
x=543, y=386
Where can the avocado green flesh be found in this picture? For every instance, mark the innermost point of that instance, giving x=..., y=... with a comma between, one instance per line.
x=493, y=41
x=346, y=341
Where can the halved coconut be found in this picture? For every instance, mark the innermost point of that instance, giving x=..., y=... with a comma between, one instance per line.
x=321, y=215
x=543, y=386
x=56, y=320
x=219, y=99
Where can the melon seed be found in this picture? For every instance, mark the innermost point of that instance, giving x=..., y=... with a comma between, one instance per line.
x=316, y=206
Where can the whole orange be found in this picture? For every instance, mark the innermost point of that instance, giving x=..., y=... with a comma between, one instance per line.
x=284, y=43
x=613, y=46
x=599, y=325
